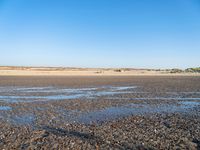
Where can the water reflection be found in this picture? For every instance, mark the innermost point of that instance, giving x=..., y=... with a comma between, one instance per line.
x=5, y=108
x=112, y=113
x=181, y=101
x=30, y=94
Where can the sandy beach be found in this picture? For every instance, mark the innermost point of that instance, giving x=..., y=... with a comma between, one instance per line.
x=59, y=71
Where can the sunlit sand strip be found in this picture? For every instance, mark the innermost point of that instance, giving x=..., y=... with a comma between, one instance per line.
x=89, y=72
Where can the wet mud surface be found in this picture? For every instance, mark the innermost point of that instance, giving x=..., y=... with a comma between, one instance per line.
x=100, y=112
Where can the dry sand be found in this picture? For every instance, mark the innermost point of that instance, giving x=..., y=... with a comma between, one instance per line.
x=59, y=71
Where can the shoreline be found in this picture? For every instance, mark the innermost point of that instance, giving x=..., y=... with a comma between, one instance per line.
x=91, y=73
x=72, y=71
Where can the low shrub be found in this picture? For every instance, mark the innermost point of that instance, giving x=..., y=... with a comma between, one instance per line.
x=117, y=70
x=176, y=70
x=195, y=70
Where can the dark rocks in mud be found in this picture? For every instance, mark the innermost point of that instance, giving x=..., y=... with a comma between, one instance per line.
x=47, y=125
x=134, y=132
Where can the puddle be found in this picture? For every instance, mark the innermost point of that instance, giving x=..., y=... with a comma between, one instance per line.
x=182, y=92
x=189, y=104
x=158, y=98
x=122, y=88
x=112, y=113
x=19, y=94
x=32, y=94
x=5, y=108
x=27, y=119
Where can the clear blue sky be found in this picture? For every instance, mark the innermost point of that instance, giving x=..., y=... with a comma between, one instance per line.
x=100, y=33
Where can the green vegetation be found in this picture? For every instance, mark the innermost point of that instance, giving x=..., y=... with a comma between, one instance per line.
x=175, y=70
x=194, y=70
x=188, y=70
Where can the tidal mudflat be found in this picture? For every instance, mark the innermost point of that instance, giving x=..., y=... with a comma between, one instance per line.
x=143, y=112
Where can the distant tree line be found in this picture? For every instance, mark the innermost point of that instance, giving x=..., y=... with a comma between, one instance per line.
x=188, y=70
x=193, y=70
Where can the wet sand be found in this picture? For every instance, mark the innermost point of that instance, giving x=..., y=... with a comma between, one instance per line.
x=140, y=112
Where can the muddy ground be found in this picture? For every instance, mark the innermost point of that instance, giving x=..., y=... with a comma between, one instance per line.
x=143, y=112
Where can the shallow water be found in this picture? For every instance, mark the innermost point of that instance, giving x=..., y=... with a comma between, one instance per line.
x=112, y=113
x=109, y=113
x=5, y=108
x=25, y=119
x=189, y=104
x=19, y=94
x=41, y=94
x=183, y=101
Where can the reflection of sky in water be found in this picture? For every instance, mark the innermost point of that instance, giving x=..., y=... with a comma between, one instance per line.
x=30, y=94
x=106, y=114
x=19, y=94
x=27, y=119
x=109, y=113
x=132, y=109
x=5, y=108
x=189, y=104
x=158, y=98
x=36, y=94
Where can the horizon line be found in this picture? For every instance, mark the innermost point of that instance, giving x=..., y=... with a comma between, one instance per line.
x=75, y=67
